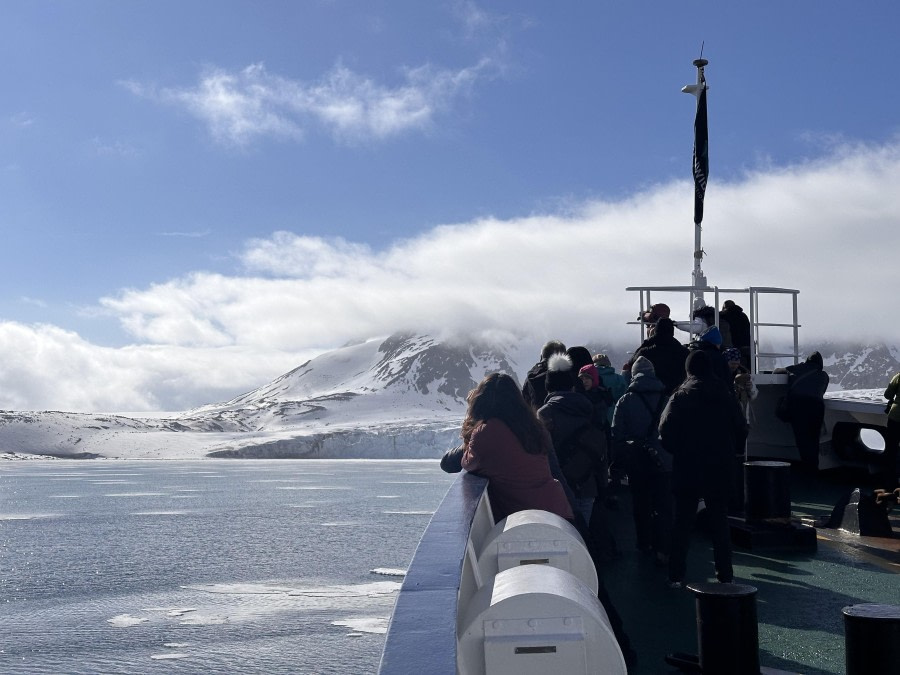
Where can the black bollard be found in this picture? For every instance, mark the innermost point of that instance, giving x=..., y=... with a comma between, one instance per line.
x=767, y=492
x=872, y=639
x=727, y=632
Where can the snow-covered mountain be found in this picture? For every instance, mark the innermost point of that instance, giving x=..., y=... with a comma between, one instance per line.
x=403, y=396
x=399, y=397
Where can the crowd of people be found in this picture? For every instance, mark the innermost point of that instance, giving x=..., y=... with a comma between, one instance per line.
x=672, y=426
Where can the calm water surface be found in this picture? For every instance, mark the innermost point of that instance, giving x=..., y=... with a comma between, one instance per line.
x=213, y=565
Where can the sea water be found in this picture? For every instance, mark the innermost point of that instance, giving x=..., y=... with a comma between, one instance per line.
x=229, y=566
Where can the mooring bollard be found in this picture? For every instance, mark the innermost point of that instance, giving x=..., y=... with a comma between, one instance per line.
x=727, y=631
x=872, y=639
x=767, y=491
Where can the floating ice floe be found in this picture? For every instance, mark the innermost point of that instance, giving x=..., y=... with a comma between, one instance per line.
x=367, y=624
x=388, y=572
x=126, y=620
x=168, y=657
x=408, y=513
x=135, y=494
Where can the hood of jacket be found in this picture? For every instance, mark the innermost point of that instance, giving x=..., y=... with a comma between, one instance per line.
x=569, y=403
x=645, y=382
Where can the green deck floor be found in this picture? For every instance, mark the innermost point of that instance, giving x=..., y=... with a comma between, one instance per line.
x=800, y=595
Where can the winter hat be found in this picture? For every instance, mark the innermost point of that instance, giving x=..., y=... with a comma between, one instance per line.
x=601, y=360
x=732, y=354
x=642, y=365
x=712, y=336
x=580, y=356
x=816, y=358
x=592, y=371
x=698, y=364
x=656, y=312
x=560, y=374
x=665, y=328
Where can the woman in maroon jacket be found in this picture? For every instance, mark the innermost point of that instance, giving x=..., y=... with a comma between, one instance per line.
x=505, y=442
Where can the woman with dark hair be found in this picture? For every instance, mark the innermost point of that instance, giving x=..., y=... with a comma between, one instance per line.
x=505, y=442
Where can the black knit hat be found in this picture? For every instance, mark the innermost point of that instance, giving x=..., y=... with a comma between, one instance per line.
x=698, y=364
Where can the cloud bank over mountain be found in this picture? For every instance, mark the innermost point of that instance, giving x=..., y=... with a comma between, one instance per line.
x=827, y=227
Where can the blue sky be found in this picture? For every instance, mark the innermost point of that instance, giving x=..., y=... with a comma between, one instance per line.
x=196, y=196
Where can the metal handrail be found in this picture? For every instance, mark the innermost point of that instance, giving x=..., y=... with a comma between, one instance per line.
x=754, y=293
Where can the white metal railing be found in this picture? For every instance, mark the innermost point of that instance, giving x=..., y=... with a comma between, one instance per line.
x=753, y=293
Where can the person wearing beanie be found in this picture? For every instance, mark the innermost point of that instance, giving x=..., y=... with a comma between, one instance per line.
x=702, y=426
x=602, y=405
x=647, y=463
x=710, y=342
x=567, y=414
x=589, y=376
x=666, y=354
x=534, y=390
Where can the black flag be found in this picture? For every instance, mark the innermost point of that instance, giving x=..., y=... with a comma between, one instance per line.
x=701, y=155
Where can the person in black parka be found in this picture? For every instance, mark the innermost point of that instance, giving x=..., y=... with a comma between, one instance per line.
x=534, y=390
x=710, y=342
x=807, y=383
x=738, y=329
x=579, y=445
x=701, y=426
x=666, y=354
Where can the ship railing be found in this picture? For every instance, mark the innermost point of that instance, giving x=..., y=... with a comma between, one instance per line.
x=759, y=359
x=422, y=636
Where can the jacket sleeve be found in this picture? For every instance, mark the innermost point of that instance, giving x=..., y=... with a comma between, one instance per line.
x=451, y=462
x=672, y=429
x=891, y=390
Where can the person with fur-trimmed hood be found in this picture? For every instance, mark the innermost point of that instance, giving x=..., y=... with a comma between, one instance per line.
x=647, y=463
x=666, y=354
x=579, y=445
x=534, y=390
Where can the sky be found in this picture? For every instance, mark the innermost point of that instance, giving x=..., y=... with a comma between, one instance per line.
x=198, y=196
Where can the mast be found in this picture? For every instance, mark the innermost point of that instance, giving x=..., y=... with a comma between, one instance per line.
x=700, y=168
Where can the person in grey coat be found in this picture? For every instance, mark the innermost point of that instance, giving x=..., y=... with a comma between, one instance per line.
x=647, y=463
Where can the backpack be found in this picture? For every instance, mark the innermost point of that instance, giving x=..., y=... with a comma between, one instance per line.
x=582, y=455
x=646, y=451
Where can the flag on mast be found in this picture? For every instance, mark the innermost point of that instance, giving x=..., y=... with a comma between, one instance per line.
x=701, y=151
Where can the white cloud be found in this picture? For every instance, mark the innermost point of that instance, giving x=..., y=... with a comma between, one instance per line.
x=242, y=106
x=45, y=367
x=828, y=228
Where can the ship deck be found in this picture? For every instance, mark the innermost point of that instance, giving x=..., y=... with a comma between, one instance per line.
x=800, y=594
